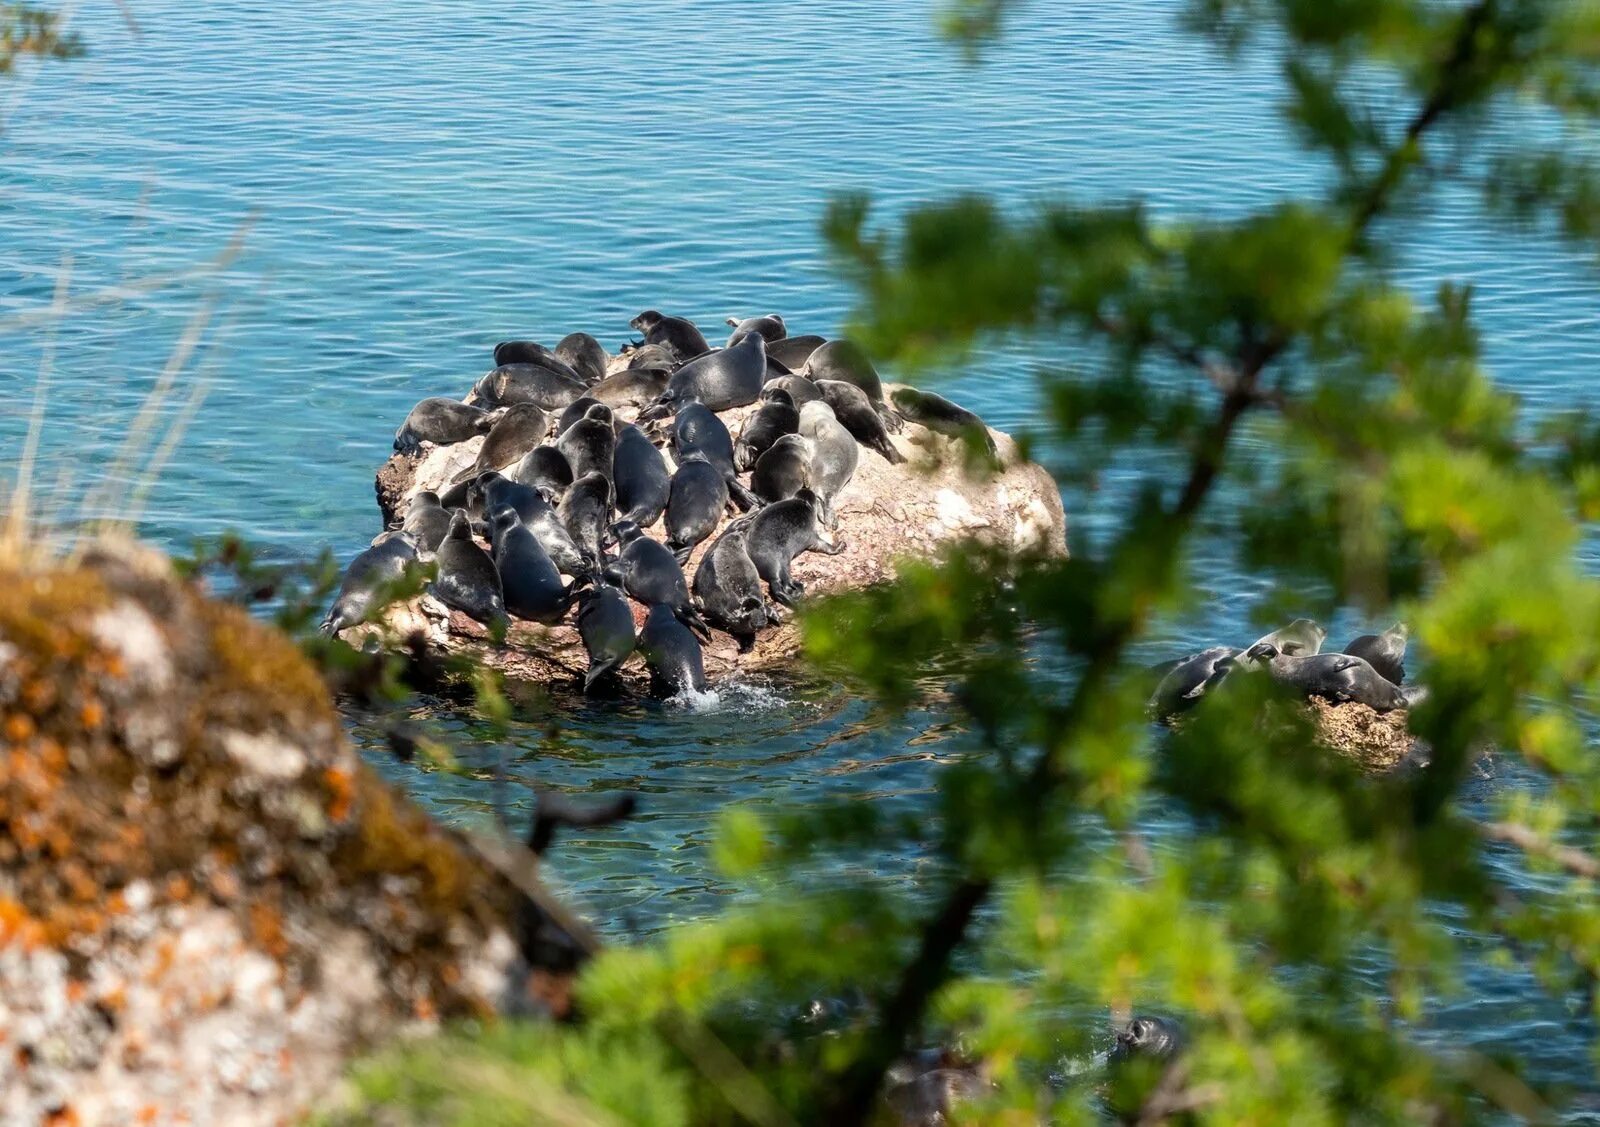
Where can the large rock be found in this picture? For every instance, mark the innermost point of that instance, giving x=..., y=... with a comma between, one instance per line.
x=207, y=902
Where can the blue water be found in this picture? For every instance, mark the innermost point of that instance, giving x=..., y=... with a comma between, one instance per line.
x=409, y=184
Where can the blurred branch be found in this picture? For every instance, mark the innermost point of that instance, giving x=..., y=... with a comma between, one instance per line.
x=1574, y=861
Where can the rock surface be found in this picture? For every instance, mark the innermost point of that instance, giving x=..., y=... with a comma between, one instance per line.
x=207, y=903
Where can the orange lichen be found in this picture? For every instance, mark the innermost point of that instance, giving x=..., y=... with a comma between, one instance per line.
x=341, y=783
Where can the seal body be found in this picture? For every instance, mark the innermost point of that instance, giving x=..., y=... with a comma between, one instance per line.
x=427, y=521
x=1155, y=1038
x=573, y=411
x=727, y=587
x=1301, y=638
x=834, y=456
x=532, y=352
x=535, y=512
x=516, y=432
x=776, y=418
x=441, y=421
x=656, y=357
x=639, y=473
x=732, y=377
x=697, y=430
x=858, y=416
x=373, y=569
x=939, y=414
x=529, y=582
x=695, y=505
x=783, y=470
x=678, y=335
x=584, y=355
x=1385, y=652
x=671, y=652
x=586, y=511
x=1334, y=677
x=770, y=326
x=590, y=443
x=1189, y=679
x=467, y=578
x=793, y=352
x=779, y=533
x=544, y=468
x=650, y=574
x=847, y=362
x=632, y=387
x=801, y=390
x=527, y=383
x=605, y=623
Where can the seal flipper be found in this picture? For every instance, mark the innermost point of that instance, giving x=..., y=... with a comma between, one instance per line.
x=742, y=497
x=690, y=617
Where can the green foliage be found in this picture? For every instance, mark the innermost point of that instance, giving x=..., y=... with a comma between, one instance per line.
x=28, y=30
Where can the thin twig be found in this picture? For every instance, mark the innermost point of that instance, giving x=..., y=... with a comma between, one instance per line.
x=1574, y=861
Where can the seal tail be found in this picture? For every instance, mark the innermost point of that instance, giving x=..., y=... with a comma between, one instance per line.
x=598, y=671
x=691, y=618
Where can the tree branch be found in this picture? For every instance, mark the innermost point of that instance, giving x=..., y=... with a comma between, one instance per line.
x=1525, y=838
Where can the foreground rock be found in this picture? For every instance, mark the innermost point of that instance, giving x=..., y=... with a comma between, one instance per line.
x=207, y=903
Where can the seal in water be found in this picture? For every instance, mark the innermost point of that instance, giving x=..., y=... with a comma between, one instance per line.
x=793, y=352
x=696, y=429
x=671, y=652
x=584, y=355
x=546, y=468
x=771, y=328
x=650, y=574
x=605, y=623
x=779, y=533
x=467, y=578
x=427, y=521
x=721, y=380
x=442, y=422
x=573, y=412
x=639, y=473
x=533, y=508
x=800, y=389
x=1189, y=679
x=695, y=505
x=586, y=511
x=783, y=470
x=529, y=582
x=847, y=362
x=527, y=383
x=852, y=408
x=834, y=456
x=1301, y=638
x=1152, y=1037
x=937, y=413
x=1334, y=677
x=727, y=587
x=777, y=417
x=590, y=443
x=364, y=580
x=632, y=387
x=1385, y=652
x=513, y=435
x=685, y=341
x=532, y=352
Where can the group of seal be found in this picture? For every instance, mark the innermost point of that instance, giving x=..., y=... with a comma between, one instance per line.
x=1370, y=670
x=584, y=452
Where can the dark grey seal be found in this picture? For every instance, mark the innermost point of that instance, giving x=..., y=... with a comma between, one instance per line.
x=427, y=521
x=590, y=443
x=800, y=389
x=527, y=383
x=529, y=581
x=852, y=408
x=532, y=352
x=516, y=432
x=365, y=580
x=1385, y=652
x=776, y=417
x=442, y=422
x=770, y=326
x=727, y=587
x=544, y=468
x=586, y=513
x=1334, y=677
x=467, y=579
x=783, y=470
x=534, y=510
x=847, y=362
x=1155, y=1038
x=675, y=333
x=1301, y=638
x=697, y=430
x=464, y=495
x=793, y=352
x=834, y=456
x=1189, y=679
x=939, y=414
x=640, y=475
x=650, y=574
x=574, y=411
x=671, y=652
x=633, y=387
x=779, y=533
x=721, y=380
x=494, y=490
x=695, y=505
x=584, y=355
x=656, y=357
x=605, y=623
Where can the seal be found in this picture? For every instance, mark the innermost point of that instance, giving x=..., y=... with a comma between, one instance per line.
x=1302, y=638
x=793, y=352
x=1385, y=652
x=800, y=389
x=464, y=495
x=776, y=418
x=697, y=430
x=1189, y=679
x=365, y=580
x=586, y=511
x=532, y=352
x=605, y=623
x=1334, y=677
x=573, y=412
x=695, y=505
x=671, y=652
x=847, y=362
x=770, y=326
x=779, y=533
x=529, y=582
x=784, y=470
x=544, y=468
x=589, y=444
x=533, y=508
x=467, y=579
x=527, y=383
x=680, y=336
x=442, y=422
x=721, y=380
x=632, y=387
x=513, y=435
x=585, y=356
x=1154, y=1038
x=493, y=490
x=427, y=522
x=852, y=408
x=939, y=414
x=727, y=587
x=640, y=475
x=652, y=356
x=834, y=456
x=650, y=574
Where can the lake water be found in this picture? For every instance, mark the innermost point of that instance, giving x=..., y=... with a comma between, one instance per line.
x=409, y=184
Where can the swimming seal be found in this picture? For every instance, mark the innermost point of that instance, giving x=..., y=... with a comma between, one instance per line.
x=640, y=475
x=532, y=352
x=695, y=505
x=365, y=579
x=1155, y=1038
x=527, y=383
x=675, y=333
x=590, y=443
x=834, y=456
x=516, y=432
x=529, y=582
x=605, y=623
x=584, y=355
x=427, y=521
x=793, y=352
x=784, y=470
x=771, y=328
x=776, y=417
x=586, y=512
x=847, y=362
x=671, y=652
x=650, y=574
x=1189, y=679
x=939, y=414
x=1301, y=638
x=1334, y=677
x=546, y=468
x=442, y=422
x=467, y=579
x=1385, y=652
x=721, y=380
x=727, y=587
x=697, y=430
x=779, y=533
x=852, y=408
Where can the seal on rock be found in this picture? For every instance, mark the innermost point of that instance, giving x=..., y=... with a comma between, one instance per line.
x=1385, y=652
x=544, y=468
x=584, y=355
x=1301, y=638
x=800, y=389
x=671, y=652
x=529, y=582
x=779, y=533
x=605, y=623
x=590, y=443
x=442, y=422
x=793, y=352
x=852, y=408
x=721, y=380
x=939, y=414
x=650, y=574
x=652, y=357
x=776, y=417
x=527, y=383
x=532, y=352
x=639, y=473
x=586, y=513
x=847, y=362
x=834, y=456
x=784, y=470
x=632, y=387
x=516, y=432
x=467, y=578
x=1334, y=677
x=727, y=587
x=1189, y=679
x=696, y=429
x=677, y=334
x=770, y=326
x=698, y=498
x=427, y=521
x=365, y=579
x=534, y=510
x=574, y=411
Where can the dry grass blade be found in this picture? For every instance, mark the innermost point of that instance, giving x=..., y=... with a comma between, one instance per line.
x=15, y=534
